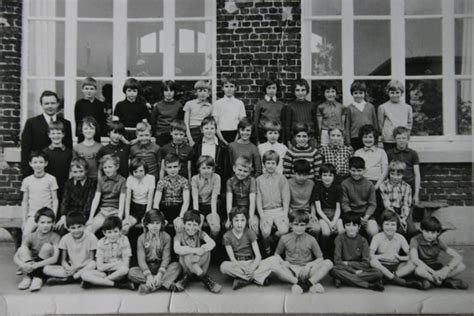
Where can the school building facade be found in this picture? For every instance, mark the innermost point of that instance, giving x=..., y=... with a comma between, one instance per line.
x=54, y=44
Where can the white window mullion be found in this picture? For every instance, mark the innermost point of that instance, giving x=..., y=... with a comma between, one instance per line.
x=70, y=62
x=169, y=39
x=397, y=39
x=120, y=49
x=347, y=43
x=448, y=60
x=24, y=64
x=306, y=40
x=211, y=26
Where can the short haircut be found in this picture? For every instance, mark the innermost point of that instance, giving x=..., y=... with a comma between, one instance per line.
x=302, y=83
x=350, y=217
x=395, y=85
x=192, y=216
x=91, y=122
x=36, y=154
x=389, y=216
x=400, y=130
x=330, y=84
x=44, y=211
x=368, y=129
x=169, y=85
x=109, y=157
x=111, y=222
x=397, y=165
x=243, y=161
x=56, y=126
x=336, y=129
x=274, y=126
x=357, y=163
x=137, y=163
x=202, y=84
x=143, y=127
x=151, y=216
x=229, y=79
x=301, y=166
x=431, y=224
x=89, y=81
x=271, y=155
x=299, y=216
x=170, y=158
x=358, y=86
x=236, y=210
x=271, y=80
x=79, y=162
x=75, y=218
x=205, y=160
x=244, y=123
x=48, y=93
x=178, y=125
x=300, y=127
x=117, y=127
x=131, y=83
x=209, y=120
x=327, y=168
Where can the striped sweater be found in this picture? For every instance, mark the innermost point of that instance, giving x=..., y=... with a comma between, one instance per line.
x=308, y=153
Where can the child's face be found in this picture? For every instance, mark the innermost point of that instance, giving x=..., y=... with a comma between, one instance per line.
x=394, y=95
x=112, y=234
x=335, y=137
x=396, y=176
x=38, y=164
x=88, y=131
x=178, y=136
x=368, y=140
x=154, y=227
x=351, y=229
x=202, y=94
x=78, y=173
x=327, y=178
x=270, y=166
x=356, y=173
x=172, y=168
x=330, y=94
x=238, y=222
x=300, y=92
x=50, y=105
x=168, y=94
x=45, y=224
x=402, y=140
x=76, y=230
x=301, y=139
x=139, y=173
x=358, y=96
x=245, y=133
x=301, y=178
x=206, y=171
x=131, y=94
x=229, y=89
x=389, y=228
x=56, y=136
x=89, y=92
x=208, y=131
x=110, y=168
x=271, y=90
x=429, y=235
x=144, y=137
x=272, y=136
x=191, y=227
x=115, y=137
x=241, y=172
x=298, y=227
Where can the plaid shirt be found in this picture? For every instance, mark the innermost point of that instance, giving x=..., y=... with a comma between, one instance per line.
x=172, y=189
x=396, y=197
x=339, y=157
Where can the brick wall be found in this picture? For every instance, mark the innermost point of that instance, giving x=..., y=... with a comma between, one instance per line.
x=10, y=74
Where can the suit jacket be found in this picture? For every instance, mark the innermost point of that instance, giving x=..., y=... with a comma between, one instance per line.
x=35, y=137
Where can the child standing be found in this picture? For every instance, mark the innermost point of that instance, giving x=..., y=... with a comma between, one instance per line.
x=272, y=134
x=193, y=247
x=155, y=269
x=393, y=113
x=89, y=148
x=89, y=105
x=39, y=190
x=243, y=147
x=196, y=110
x=228, y=112
x=302, y=150
x=337, y=154
x=358, y=114
x=37, y=250
x=146, y=149
x=116, y=146
x=331, y=114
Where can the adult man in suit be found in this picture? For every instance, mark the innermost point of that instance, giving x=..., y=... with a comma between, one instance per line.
x=35, y=134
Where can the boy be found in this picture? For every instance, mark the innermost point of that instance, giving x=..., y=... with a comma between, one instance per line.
x=331, y=114
x=273, y=200
x=146, y=149
x=302, y=150
x=272, y=134
x=243, y=146
x=241, y=191
x=304, y=265
x=113, y=258
x=179, y=147
x=77, y=252
x=39, y=190
x=89, y=105
x=116, y=146
x=410, y=157
x=245, y=265
x=228, y=111
x=196, y=110
x=351, y=257
x=426, y=250
x=37, y=250
x=358, y=195
x=58, y=156
x=395, y=112
x=194, y=256
x=172, y=193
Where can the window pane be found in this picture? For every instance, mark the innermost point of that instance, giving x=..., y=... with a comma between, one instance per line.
x=47, y=8
x=371, y=7
x=191, y=8
x=422, y=7
x=193, y=49
x=326, y=7
x=372, y=48
x=423, y=47
x=36, y=87
x=376, y=92
x=94, y=49
x=145, y=49
x=463, y=46
x=145, y=8
x=464, y=107
x=45, y=48
x=318, y=87
x=425, y=97
x=326, y=48
x=95, y=8
x=463, y=6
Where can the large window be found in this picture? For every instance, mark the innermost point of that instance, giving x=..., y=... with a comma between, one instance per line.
x=112, y=40
x=427, y=44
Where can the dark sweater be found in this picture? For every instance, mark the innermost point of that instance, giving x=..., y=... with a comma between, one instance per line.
x=78, y=197
x=300, y=112
x=353, y=250
x=358, y=196
x=96, y=109
x=131, y=113
x=237, y=149
x=59, y=160
x=122, y=151
x=162, y=115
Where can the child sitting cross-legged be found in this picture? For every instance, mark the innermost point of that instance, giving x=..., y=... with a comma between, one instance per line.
x=155, y=269
x=304, y=265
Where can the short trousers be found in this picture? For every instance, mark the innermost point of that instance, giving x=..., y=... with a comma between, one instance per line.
x=137, y=211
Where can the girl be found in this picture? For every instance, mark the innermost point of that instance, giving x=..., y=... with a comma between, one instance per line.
x=337, y=154
x=88, y=148
x=243, y=146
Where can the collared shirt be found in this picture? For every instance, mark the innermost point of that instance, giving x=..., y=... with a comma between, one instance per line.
x=172, y=189
x=122, y=151
x=339, y=157
x=78, y=196
x=113, y=251
x=267, y=110
x=61, y=147
x=198, y=110
x=331, y=114
x=183, y=150
x=156, y=248
x=298, y=249
x=228, y=112
x=327, y=196
x=273, y=190
x=409, y=157
x=359, y=106
x=209, y=148
x=280, y=150
x=396, y=197
x=241, y=190
x=193, y=241
x=110, y=189
x=242, y=247
x=206, y=188
x=428, y=252
x=50, y=119
x=375, y=159
x=268, y=98
x=381, y=244
x=140, y=188
x=149, y=152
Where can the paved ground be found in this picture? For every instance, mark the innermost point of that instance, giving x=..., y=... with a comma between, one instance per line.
x=275, y=298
